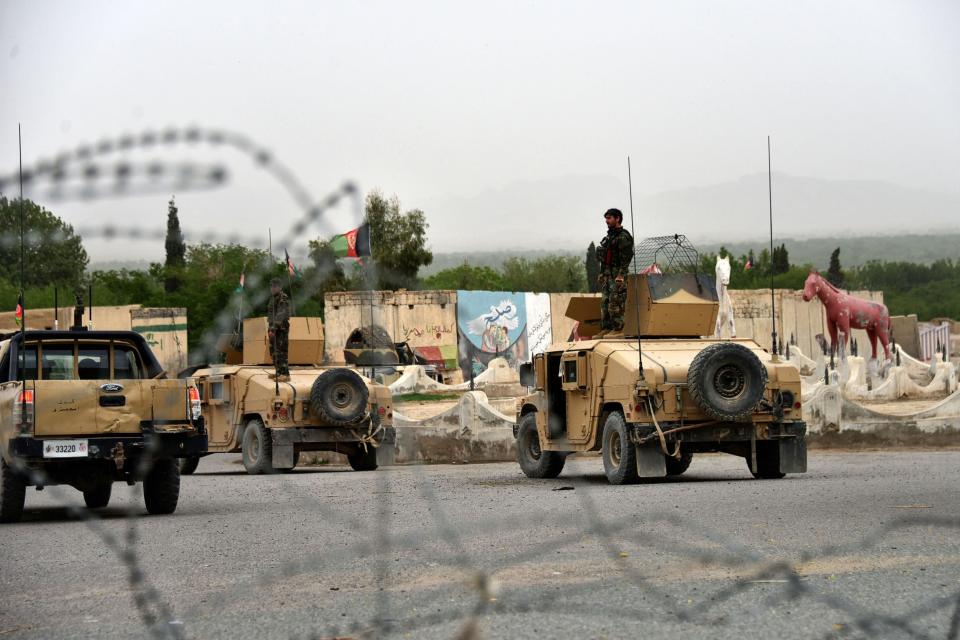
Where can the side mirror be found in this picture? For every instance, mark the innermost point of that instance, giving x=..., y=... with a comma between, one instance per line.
x=527, y=376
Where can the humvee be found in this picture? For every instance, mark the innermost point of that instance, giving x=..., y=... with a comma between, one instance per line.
x=90, y=408
x=691, y=395
x=319, y=409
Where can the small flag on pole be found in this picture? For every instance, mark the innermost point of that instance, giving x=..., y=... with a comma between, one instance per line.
x=748, y=266
x=292, y=270
x=18, y=316
x=352, y=244
x=242, y=280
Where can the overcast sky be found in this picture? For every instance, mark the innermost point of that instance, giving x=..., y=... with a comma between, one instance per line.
x=439, y=102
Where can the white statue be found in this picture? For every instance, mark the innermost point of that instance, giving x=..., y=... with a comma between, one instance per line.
x=725, y=312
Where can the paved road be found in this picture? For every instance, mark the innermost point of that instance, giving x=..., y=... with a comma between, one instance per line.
x=865, y=545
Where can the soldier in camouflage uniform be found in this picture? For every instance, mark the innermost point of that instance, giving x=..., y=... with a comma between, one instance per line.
x=614, y=255
x=278, y=316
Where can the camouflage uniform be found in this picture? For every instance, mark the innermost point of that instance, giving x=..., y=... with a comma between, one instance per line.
x=278, y=315
x=614, y=255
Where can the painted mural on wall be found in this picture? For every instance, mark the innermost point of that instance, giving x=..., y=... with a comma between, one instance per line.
x=494, y=324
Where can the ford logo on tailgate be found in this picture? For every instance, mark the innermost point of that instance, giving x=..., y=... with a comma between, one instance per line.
x=111, y=387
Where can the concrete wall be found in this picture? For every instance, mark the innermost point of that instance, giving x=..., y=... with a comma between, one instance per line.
x=803, y=320
x=423, y=318
x=165, y=330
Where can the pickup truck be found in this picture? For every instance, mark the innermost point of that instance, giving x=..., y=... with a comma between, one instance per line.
x=90, y=408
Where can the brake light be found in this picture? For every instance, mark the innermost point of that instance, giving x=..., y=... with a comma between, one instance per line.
x=23, y=411
x=194, y=394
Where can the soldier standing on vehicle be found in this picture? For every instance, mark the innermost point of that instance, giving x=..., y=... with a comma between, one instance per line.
x=278, y=316
x=614, y=255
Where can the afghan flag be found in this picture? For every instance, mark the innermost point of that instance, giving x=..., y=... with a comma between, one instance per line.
x=243, y=278
x=748, y=266
x=18, y=315
x=352, y=244
x=292, y=270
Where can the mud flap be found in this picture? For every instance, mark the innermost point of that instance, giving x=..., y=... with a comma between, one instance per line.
x=793, y=455
x=650, y=462
x=282, y=456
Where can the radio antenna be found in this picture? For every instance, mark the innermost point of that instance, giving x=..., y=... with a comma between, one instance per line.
x=773, y=307
x=635, y=282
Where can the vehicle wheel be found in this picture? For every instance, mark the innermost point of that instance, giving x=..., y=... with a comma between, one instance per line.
x=768, y=462
x=257, y=448
x=188, y=465
x=619, y=453
x=98, y=497
x=161, y=487
x=677, y=467
x=363, y=460
x=340, y=396
x=13, y=493
x=727, y=380
x=534, y=462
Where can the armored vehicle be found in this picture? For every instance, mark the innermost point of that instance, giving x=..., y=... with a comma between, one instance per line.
x=87, y=409
x=649, y=414
x=271, y=422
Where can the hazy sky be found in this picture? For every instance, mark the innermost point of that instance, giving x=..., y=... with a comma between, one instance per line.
x=440, y=101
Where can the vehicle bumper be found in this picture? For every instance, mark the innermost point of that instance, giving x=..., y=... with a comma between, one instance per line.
x=158, y=445
x=328, y=435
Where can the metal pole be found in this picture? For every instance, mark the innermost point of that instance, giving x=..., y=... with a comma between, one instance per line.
x=635, y=279
x=773, y=307
x=22, y=302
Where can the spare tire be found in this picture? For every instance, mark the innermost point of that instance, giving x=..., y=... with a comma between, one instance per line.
x=727, y=380
x=339, y=396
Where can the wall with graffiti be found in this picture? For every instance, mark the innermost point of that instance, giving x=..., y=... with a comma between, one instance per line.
x=492, y=324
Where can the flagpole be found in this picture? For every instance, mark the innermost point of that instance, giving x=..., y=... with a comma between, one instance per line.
x=293, y=306
x=22, y=305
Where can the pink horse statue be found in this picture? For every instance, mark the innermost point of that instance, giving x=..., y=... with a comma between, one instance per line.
x=845, y=311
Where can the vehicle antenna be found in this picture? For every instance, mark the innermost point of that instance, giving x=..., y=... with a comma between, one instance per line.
x=90, y=306
x=56, y=309
x=22, y=302
x=635, y=282
x=773, y=307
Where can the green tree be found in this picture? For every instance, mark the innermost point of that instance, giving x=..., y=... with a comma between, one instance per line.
x=53, y=253
x=834, y=271
x=550, y=274
x=176, y=249
x=328, y=273
x=781, y=260
x=399, y=242
x=592, y=268
x=465, y=277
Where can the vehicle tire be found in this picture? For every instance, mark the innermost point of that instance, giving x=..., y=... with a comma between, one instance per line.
x=677, y=467
x=161, y=487
x=188, y=465
x=257, y=448
x=726, y=380
x=534, y=462
x=99, y=496
x=339, y=396
x=768, y=462
x=13, y=493
x=363, y=460
x=619, y=453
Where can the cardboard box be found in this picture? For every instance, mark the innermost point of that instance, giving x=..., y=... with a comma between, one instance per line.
x=305, y=341
x=667, y=305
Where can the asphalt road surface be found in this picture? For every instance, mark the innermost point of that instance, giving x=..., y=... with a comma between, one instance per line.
x=865, y=545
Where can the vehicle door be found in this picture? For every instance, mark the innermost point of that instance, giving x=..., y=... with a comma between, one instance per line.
x=215, y=400
x=574, y=374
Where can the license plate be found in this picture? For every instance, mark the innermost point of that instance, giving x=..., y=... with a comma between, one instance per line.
x=65, y=449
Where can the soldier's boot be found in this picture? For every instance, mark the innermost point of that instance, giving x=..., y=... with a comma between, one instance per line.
x=283, y=377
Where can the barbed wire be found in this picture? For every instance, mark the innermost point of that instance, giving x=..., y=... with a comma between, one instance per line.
x=481, y=595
